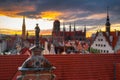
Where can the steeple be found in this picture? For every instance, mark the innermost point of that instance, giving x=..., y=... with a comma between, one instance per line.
x=27, y=34
x=64, y=27
x=70, y=27
x=85, y=31
x=23, y=28
x=64, y=30
x=74, y=27
x=108, y=22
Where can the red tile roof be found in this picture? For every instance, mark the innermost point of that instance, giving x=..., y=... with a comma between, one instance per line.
x=115, y=38
x=25, y=51
x=9, y=65
x=68, y=67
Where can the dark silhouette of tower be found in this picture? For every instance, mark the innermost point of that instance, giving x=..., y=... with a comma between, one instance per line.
x=70, y=27
x=23, y=28
x=56, y=26
x=108, y=22
x=27, y=34
x=64, y=27
x=85, y=31
x=74, y=27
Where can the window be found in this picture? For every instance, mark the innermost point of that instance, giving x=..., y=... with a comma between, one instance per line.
x=107, y=51
x=104, y=51
x=101, y=39
x=96, y=44
x=104, y=45
x=101, y=45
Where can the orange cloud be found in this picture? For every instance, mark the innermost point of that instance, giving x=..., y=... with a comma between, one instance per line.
x=14, y=11
x=50, y=15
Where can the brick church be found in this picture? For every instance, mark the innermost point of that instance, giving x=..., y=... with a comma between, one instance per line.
x=72, y=34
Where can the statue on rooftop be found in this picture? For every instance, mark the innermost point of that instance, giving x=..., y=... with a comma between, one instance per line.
x=36, y=60
x=37, y=31
x=36, y=64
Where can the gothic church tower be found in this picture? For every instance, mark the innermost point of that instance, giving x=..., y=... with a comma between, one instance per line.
x=23, y=28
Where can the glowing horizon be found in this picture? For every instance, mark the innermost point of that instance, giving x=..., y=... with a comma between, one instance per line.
x=82, y=12
x=16, y=23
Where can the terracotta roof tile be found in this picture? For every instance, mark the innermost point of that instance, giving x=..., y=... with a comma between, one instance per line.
x=9, y=65
x=68, y=67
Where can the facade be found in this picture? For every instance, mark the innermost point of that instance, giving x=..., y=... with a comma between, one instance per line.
x=102, y=44
x=59, y=35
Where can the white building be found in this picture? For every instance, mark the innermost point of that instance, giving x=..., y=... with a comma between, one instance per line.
x=3, y=46
x=106, y=42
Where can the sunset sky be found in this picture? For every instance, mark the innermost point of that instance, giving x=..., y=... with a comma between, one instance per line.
x=91, y=13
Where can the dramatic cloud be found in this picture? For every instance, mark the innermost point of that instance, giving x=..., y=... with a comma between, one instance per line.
x=89, y=12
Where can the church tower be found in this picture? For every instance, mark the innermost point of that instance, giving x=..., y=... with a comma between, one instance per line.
x=74, y=27
x=56, y=26
x=56, y=29
x=70, y=28
x=23, y=28
x=85, y=31
x=108, y=22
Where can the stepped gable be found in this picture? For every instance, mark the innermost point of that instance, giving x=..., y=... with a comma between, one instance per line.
x=113, y=34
